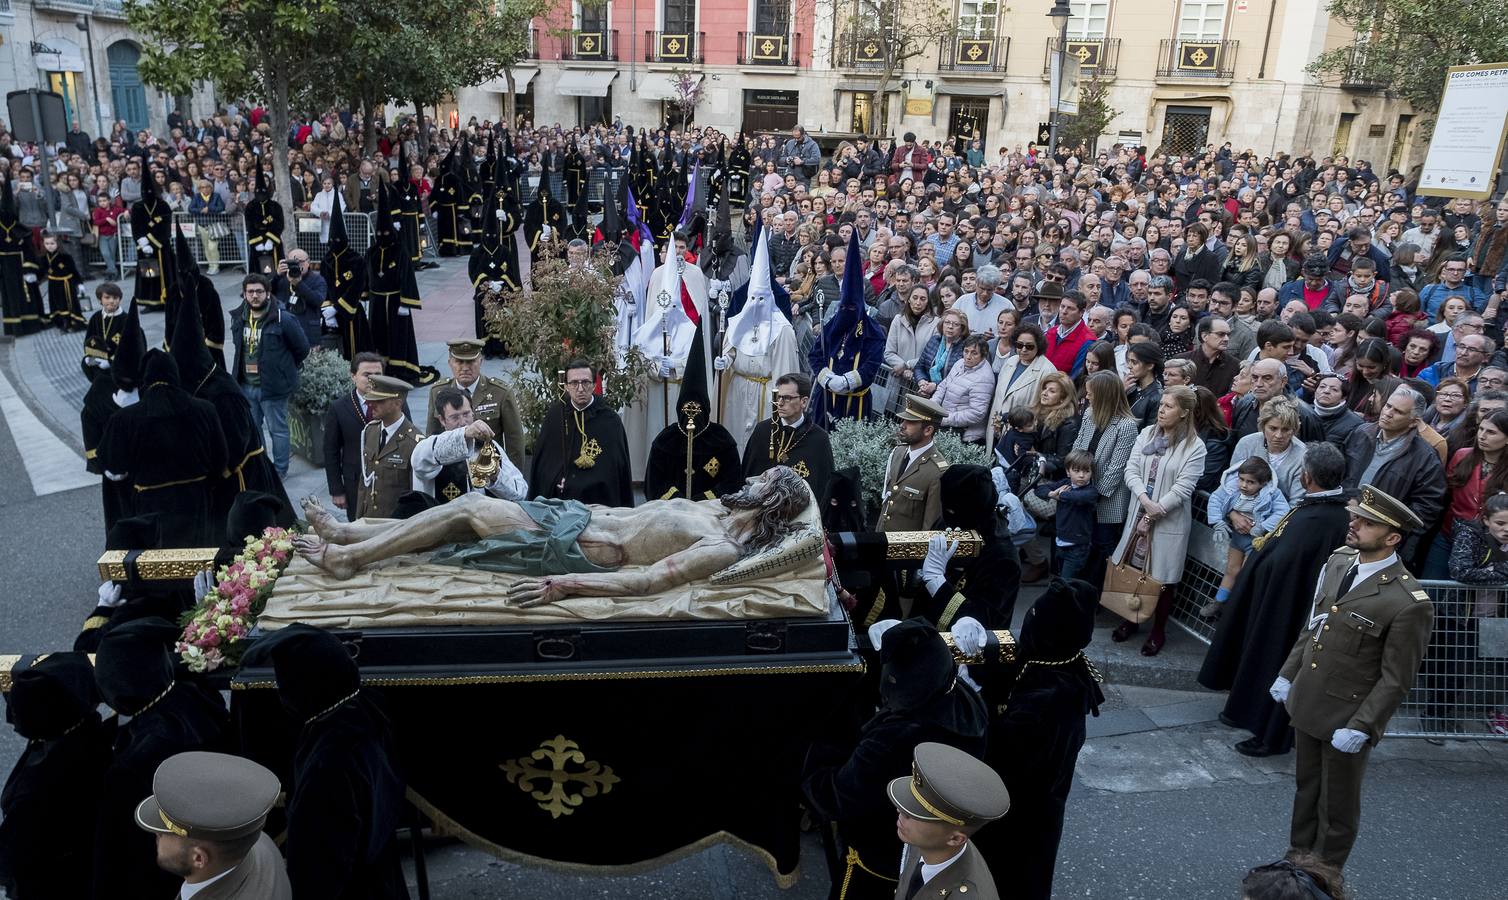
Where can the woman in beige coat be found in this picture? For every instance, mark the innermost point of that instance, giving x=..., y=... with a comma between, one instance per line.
x=1166, y=462
x=1019, y=380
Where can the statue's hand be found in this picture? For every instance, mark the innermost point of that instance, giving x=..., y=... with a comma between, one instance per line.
x=531, y=592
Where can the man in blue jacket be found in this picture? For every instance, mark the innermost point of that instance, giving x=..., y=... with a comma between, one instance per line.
x=270, y=346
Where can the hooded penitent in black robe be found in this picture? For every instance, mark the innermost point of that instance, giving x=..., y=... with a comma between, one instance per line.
x=138, y=599
x=20, y=300
x=544, y=210
x=805, y=449
x=119, y=341
x=582, y=455
x=494, y=260
x=138, y=677
x=345, y=273
x=845, y=776
x=983, y=587
x=170, y=450
x=247, y=466
x=346, y=794
x=851, y=342
x=264, y=226
x=152, y=218
x=1268, y=607
x=394, y=295
x=410, y=210
x=451, y=203
x=54, y=789
x=195, y=289
x=711, y=451
x=1036, y=732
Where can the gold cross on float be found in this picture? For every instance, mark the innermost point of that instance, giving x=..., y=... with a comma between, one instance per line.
x=553, y=794
x=451, y=492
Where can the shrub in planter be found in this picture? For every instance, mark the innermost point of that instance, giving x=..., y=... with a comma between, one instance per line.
x=324, y=378
x=867, y=444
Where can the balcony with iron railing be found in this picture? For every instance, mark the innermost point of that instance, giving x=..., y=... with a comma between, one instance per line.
x=1180, y=60
x=533, y=51
x=1096, y=58
x=769, y=49
x=1364, y=71
x=860, y=51
x=590, y=46
x=674, y=47
x=967, y=52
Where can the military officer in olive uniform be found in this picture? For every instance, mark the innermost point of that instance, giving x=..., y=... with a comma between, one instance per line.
x=491, y=401
x=949, y=796
x=1349, y=671
x=387, y=449
x=912, y=498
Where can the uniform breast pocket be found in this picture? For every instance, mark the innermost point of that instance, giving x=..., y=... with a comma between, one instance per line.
x=393, y=462
x=1358, y=636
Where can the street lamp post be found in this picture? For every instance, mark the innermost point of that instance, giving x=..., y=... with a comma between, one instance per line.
x=82, y=24
x=1060, y=14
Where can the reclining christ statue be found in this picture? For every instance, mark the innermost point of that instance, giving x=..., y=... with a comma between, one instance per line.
x=569, y=549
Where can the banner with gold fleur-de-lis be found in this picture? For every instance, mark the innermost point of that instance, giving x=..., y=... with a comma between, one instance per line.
x=589, y=44
x=869, y=50
x=768, y=48
x=674, y=47
x=1086, y=53
x=1199, y=56
x=975, y=51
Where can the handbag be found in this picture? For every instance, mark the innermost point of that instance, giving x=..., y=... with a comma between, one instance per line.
x=1129, y=592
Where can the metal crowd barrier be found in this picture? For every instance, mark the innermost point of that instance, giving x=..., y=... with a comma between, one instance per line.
x=1462, y=685
x=231, y=245
x=307, y=229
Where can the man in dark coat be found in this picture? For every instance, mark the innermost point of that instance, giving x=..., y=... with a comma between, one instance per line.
x=344, y=421
x=1270, y=602
x=346, y=795
x=693, y=441
x=581, y=452
x=54, y=788
x=845, y=778
x=1038, y=730
x=137, y=677
x=791, y=438
x=169, y=449
x=1392, y=456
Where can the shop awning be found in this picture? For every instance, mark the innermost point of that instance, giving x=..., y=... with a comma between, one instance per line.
x=521, y=79
x=865, y=86
x=660, y=87
x=585, y=82
x=970, y=89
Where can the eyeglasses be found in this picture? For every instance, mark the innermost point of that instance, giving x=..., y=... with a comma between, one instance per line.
x=1468, y=348
x=579, y=383
x=1451, y=395
x=787, y=398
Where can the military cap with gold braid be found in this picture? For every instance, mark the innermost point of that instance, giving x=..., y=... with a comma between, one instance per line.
x=948, y=785
x=208, y=797
x=465, y=348
x=922, y=409
x=1379, y=507
x=386, y=387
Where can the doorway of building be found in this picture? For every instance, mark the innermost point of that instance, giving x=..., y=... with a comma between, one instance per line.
x=766, y=111
x=970, y=116
x=1185, y=129
x=126, y=90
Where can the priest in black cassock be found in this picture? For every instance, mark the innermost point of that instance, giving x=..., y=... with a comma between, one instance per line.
x=1271, y=603
x=169, y=450
x=54, y=789
x=20, y=299
x=264, y=227
x=849, y=351
x=138, y=676
x=581, y=452
x=346, y=794
x=152, y=226
x=247, y=467
x=789, y=437
x=451, y=203
x=116, y=346
x=394, y=295
x=693, y=457
x=345, y=273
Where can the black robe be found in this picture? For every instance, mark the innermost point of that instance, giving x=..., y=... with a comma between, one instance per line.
x=452, y=205
x=554, y=471
x=53, y=790
x=391, y=287
x=94, y=418
x=264, y=224
x=491, y=261
x=807, y=450
x=211, y=317
x=714, y=460
x=153, y=219
x=247, y=467
x=1268, y=607
x=345, y=272
x=102, y=337
x=22, y=302
x=410, y=213
x=61, y=274
x=172, y=452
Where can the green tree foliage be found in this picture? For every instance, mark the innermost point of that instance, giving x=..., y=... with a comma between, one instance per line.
x=1406, y=45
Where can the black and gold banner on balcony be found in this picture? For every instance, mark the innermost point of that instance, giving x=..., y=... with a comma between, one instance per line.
x=768, y=48
x=1088, y=53
x=674, y=47
x=975, y=51
x=1203, y=56
x=589, y=45
x=869, y=50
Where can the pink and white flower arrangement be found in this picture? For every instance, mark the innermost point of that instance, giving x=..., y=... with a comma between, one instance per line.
x=215, y=630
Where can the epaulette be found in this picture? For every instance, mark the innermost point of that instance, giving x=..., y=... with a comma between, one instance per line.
x=441, y=383
x=940, y=462
x=1419, y=594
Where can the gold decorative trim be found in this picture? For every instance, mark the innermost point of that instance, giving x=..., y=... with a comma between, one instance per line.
x=913, y=544
x=463, y=680
x=9, y=661
x=555, y=797
x=156, y=565
x=783, y=880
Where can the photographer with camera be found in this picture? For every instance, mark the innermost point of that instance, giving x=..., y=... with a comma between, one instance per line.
x=302, y=291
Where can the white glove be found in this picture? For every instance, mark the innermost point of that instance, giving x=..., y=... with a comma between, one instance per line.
x=969, y=636
x=114, y=477
x=717, y=286
x=403, y=311
x=721, y=363
x=935, y=566
x=202, y=583
x=109, y=594
x=124, y=399
x=144, y=245
x=878, y=629
x=397, y=226
x=103, y=364
x=966, y=678
x=327, y=313
x=1348, y=740
x=1279, y=689
x=29, y=278
x=666, y=368
x=494, y=286
x=500, y=215
x=265, y=246
x=92, y=360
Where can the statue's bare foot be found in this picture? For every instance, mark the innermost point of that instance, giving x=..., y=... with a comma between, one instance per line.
x=321, y=521
x=332, y=559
